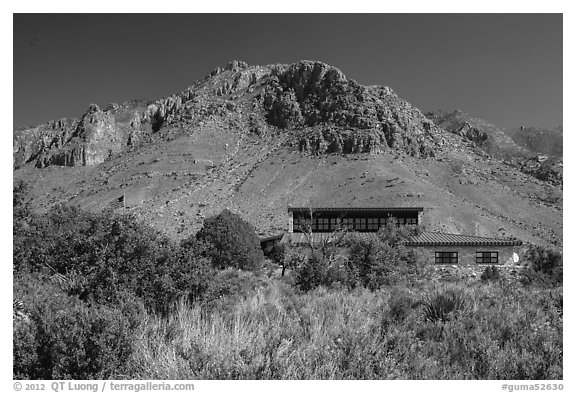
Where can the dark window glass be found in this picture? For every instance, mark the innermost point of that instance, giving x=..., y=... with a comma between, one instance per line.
x=323, y=224
x=334, y=224
x=314, y=224
x=372, y=224
x=297, y=224
x=487, y=257
x=411, y=221
x=446, y=257
x=348, y=223
x=360, y=224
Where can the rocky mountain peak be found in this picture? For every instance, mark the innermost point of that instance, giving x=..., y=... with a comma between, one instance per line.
x=327, y=113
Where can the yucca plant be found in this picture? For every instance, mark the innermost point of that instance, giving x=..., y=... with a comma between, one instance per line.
x=441, y=304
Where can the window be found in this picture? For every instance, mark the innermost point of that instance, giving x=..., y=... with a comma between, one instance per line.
x=486, y=257
x=372, y=224
x=360, y=224
x=401, y=221
x=446, y=257
x=348, y=223
x=298, y=223
x=323, y=224
x=335, y=224
x=412, y=221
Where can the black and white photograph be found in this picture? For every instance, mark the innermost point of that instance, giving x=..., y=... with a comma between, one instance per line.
x=281, y=197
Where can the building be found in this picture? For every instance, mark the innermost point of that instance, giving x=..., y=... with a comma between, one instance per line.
x=267, y=243
x=318, y=226
x=359, y=219
x=447, y=248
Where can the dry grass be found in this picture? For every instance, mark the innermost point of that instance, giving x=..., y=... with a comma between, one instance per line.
x=277, y=334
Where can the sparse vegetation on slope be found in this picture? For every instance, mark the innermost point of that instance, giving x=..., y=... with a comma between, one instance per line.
x=103, y=296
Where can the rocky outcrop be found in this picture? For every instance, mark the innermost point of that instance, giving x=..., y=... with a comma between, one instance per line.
x=484, y=135
x=333, y=114
x=355, y=118
x=88, y=141
x=30, y=143
x=548, y=169
x=539, y=140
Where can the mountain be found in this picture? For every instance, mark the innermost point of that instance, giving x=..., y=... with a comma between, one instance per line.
x=485, y=135
x=524, y=148
x=255, y=139
x=547, y=141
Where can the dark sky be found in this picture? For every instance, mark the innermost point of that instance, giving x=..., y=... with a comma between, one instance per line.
x=506, y=69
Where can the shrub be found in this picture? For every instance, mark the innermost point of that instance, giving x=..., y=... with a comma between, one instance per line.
x=231, y=241
x=97, y=256
x=542, y=259
x=544, y=267
x=278, y=253
x=400, y=303
x=441, y=304
x=66, y=338
x=383, y=260
x=230, y=286
x=312, y=272
x=490, y=273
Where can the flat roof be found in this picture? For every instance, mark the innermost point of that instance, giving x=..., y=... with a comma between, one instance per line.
x=273, y=237
x=450, y=239
x=354, y=209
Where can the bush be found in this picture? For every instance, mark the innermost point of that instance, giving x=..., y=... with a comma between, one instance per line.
x=441, y=304
x=66, y=338
x=490, y=273
x=97, y=256
x=383, y=260
x=312, y=273
x=400, y=303
x=230, y=286
x=231, y=241
x=544, y=267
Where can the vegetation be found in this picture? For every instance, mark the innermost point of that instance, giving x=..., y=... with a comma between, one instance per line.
x=232, y=242
x=99, y=295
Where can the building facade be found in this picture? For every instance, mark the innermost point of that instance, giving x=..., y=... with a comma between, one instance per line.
x=359, y=219
x=318, y=225
x=452, y=249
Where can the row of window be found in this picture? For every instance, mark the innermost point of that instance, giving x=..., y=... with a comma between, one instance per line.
x=356, y=224
x=452, y=257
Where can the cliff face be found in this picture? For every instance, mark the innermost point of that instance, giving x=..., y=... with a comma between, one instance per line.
x=87, y=141
x=484, y=135
x=341, y=116
x=328, y=112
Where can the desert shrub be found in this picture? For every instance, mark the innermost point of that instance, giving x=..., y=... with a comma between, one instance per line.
x=373, y=262
x=383, y=260
x=544, y=267
x=401, y=303
x=278, y=253
x=227, y=287
x=66, y=338
x=490, y=273
x=439, y=305
x=97, y=256
x=231, y=241
x=312, y=272
x=342, y=273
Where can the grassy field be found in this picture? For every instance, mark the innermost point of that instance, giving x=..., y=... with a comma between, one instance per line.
x=498, y=332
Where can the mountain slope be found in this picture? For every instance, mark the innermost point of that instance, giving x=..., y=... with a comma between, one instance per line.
x=257, y=138
x=485, y=135
x=539, y=140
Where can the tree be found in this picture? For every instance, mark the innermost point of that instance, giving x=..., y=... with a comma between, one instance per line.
x=231, y=241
